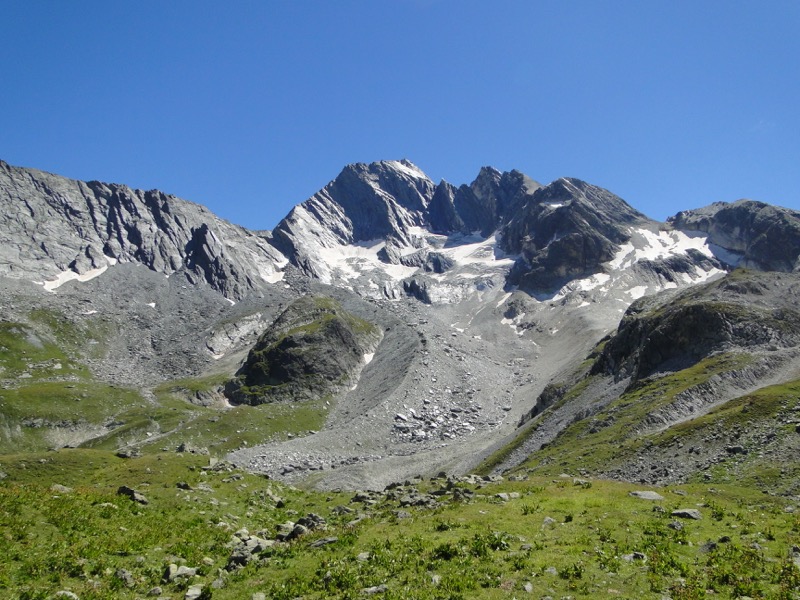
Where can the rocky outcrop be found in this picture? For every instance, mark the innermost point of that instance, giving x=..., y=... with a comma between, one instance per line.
x=746, y=310
x=313, y=349
x=53, y=229
x=566, y=230
x=754, y=234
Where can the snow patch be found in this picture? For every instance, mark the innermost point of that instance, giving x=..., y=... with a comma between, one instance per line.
x=66, y=276
x=504, y=299
x=151, y=304
x=408, y=169
x=638, y=291
x=368, y=357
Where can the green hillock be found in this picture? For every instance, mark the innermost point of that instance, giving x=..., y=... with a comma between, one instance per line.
x=313, y=349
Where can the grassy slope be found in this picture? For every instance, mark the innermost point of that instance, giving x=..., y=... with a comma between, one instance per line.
x=483, y=548
x=49, y=399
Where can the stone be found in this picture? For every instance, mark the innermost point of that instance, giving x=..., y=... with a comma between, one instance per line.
x=60, y=489
x=647, y=495
x=376, y=589
x=124, y=490
x=194, y=592
x=323, y=542
x=128, y=453
x=156, y=591
x=173, y=572
x=66, y=594
x=687, y=513
x=125, y=577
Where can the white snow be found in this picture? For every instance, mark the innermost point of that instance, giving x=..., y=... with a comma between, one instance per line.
x=151, y=304
x=637, y=292
x=583, y=285
x=479, y=252
x=504, y=299
x=649, y=245
x=89, y=312
x=368, y=357
x=66, y=276
x=410, y=170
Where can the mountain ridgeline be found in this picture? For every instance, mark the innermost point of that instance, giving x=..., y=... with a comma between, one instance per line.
x=411, y=326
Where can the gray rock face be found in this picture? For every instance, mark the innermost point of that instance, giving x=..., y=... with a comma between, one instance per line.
x=50, y=225
x=385, y=200
x=757, y=235
x=564, y=231
x=365, y=202
x=744, y=310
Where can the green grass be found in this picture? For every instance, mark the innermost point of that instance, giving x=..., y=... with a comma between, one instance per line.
x=584, y=445
x=50, y=400
x=482, y=548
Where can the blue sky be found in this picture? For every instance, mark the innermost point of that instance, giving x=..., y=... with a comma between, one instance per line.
x=251, y=107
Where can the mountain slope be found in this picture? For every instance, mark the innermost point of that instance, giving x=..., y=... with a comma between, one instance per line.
x=54, y=229
x=489, y=297
x=653, y=401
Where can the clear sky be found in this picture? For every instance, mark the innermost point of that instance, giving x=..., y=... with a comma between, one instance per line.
x=249, y=107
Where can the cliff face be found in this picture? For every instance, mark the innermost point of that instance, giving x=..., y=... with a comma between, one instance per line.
x=746, y=311
x=757, y=235
x=54, y=229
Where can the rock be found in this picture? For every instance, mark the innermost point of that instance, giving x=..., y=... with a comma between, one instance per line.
x=66, y=594
x=528, y=587
x=156, y=591
x=647, y=495
x=182, y=485
x=128, y=453
x=687, y=513
x=189, y=448
x=363, y=556
x=377, y=589
x=258, y=596
x=548, y=522
x=125, y=577
x=60, y=489
x=635, y=556
x=173, y=572
x=132, y=494
x=194, y=592
x=184, y=571
x=323, y=542
x=676, y=525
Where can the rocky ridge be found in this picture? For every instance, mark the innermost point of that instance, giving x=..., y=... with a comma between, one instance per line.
x=57, y=229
